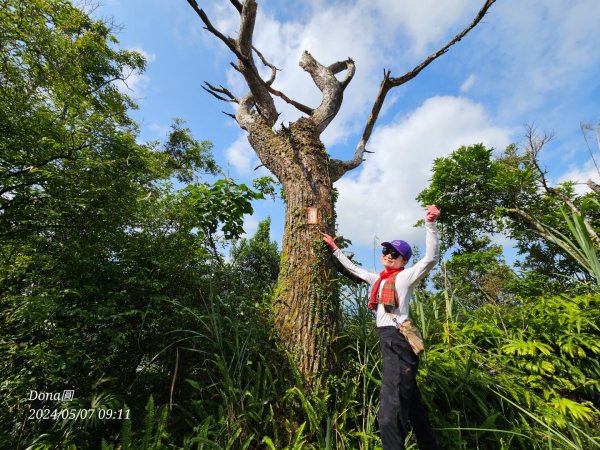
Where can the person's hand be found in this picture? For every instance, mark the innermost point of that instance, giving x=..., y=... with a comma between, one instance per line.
x=329, y=241
x=432, y=213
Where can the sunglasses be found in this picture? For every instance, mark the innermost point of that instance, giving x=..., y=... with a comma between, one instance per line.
x=390, y=251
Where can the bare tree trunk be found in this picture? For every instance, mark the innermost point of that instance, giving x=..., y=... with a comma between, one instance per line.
x=305, y=305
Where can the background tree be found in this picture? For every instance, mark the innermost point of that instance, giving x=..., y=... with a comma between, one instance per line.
x=256, y=262
x=100, y=257
x=305, y=305
x=477, y=276
x=483, y=193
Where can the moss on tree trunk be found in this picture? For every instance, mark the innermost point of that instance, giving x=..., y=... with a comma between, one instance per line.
x=305, y=304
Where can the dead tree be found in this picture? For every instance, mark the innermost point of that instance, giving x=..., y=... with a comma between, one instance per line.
x=305, y=304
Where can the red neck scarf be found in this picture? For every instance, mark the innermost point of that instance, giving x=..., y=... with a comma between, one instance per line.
x=383, y=275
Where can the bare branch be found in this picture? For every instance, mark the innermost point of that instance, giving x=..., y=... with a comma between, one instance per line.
x=593, y=185
x=534, y=146
x=246, y=32
x=535, y=143
x=242, y=48
x=245, y=115
x=389, y=82
x=384, y=88
x=339, y=66
x=237, y=5
x=329, y=85
x=269, y=82
x=260, y=92
x=215, y=91
x=339, y=168
x=269, y=65
x=414, y=72
x=217, y=96
x=229, y=42
x=305, y=109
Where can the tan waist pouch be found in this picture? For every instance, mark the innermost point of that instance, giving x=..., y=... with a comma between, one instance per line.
x=413, y=336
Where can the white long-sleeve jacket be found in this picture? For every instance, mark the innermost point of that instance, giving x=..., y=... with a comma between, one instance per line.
x=405, y=280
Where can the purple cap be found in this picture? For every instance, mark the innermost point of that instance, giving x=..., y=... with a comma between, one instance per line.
x=401, y=247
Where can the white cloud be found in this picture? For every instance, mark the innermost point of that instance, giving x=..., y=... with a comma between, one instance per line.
x=380, y=200
x=468, y=84
x=250, y=226
x=580, y=175
x=531, y=50
x=425, y=22
x=136, y=84
x=241, y=156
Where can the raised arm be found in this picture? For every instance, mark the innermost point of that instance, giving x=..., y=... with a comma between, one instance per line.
x=432, y=248
x=355, y=270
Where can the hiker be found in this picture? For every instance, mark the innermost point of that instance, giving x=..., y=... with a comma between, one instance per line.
x=401, y=406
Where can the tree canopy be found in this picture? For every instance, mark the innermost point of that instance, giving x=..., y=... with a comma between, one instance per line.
x=483, y=193
x=100, y=253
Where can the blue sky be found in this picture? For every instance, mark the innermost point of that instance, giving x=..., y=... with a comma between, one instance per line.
x=528, y=62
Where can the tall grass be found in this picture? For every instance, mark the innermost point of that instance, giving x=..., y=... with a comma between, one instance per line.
x=482, y=378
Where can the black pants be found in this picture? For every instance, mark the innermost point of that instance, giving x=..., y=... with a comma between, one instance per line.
x=401, y=405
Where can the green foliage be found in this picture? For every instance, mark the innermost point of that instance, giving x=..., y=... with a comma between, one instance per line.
x=153, y=435
x=463, y=187
x=477, y=276
x=581, y=246
x=266, y=186
x=535, y=362
x=184, y=155
x=480, y=194
x=222, y=203
x=99, y=254
x=255, y=263
x=511, y=376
